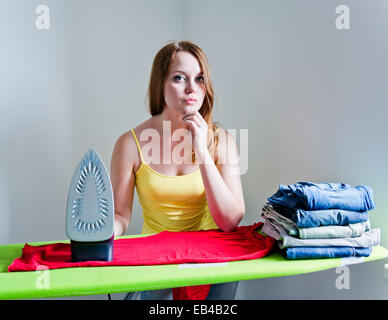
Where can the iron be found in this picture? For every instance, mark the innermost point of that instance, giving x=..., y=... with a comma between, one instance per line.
x=90, y=211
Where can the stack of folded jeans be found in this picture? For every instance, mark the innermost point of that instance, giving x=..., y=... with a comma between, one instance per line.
x=321, y=220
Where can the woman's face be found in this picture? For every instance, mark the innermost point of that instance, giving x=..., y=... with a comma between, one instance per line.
x=184, y=89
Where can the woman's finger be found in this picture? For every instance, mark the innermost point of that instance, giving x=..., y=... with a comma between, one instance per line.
x=193, y=119
x=201, y=118
x=192, y=123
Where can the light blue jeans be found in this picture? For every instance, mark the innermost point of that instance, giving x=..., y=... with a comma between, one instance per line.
x=219, y=291
x=322, y=196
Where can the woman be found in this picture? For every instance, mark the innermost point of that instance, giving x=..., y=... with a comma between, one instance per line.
x=197, y=191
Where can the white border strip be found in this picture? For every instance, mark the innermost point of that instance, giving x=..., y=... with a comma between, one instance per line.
x=202, y=265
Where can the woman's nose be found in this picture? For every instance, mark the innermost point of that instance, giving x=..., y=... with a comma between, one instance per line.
x=190, y=87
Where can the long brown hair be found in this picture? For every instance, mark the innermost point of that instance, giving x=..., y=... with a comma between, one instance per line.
x=159, y=71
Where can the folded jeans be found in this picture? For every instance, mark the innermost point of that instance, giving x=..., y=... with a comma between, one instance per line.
x=320, y=196
x=367, y=239
x=325, y=252
x=349, y=231
x=316, y=218
x=280, y=224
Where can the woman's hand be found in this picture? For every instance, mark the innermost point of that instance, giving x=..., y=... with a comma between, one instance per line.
x=199, y=129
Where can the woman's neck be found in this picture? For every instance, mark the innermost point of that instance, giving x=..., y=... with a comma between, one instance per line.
x=170, y=120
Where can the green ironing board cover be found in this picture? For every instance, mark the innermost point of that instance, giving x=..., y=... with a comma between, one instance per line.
x=115, y=279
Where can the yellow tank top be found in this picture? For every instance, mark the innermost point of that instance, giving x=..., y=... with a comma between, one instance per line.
x=173, y=203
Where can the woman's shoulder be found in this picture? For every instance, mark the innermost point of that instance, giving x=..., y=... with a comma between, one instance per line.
x=126, y=141
x=126, y=149
x=147, y=124
x=127, y=136
x=226, y=146
x=223, y=136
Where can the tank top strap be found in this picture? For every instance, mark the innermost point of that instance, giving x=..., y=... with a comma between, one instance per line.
x=138, y=145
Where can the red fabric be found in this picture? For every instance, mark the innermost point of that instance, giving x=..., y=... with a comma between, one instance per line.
x=166, y=247
x=191, y=293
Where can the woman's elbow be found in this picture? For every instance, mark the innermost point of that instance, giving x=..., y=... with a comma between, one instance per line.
x=232, y=223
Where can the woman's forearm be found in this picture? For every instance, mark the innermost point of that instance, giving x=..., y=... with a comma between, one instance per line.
x=224, y=207
x=120, y=225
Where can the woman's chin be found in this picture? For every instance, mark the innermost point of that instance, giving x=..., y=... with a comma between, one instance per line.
x=190, y=109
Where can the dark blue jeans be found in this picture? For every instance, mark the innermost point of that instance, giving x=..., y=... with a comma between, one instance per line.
x=219, y=291
x=326, y=252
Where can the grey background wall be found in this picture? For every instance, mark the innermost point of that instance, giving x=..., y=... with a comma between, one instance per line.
x=312, y=97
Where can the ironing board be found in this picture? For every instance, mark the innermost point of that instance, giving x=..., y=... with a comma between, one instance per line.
x=105, y=280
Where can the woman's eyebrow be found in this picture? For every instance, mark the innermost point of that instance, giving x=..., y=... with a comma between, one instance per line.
x=179, y=71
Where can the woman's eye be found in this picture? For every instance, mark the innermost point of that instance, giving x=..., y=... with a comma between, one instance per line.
x=179, y=77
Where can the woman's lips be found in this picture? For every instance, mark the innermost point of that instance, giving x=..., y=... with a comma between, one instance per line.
x=190, y=101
